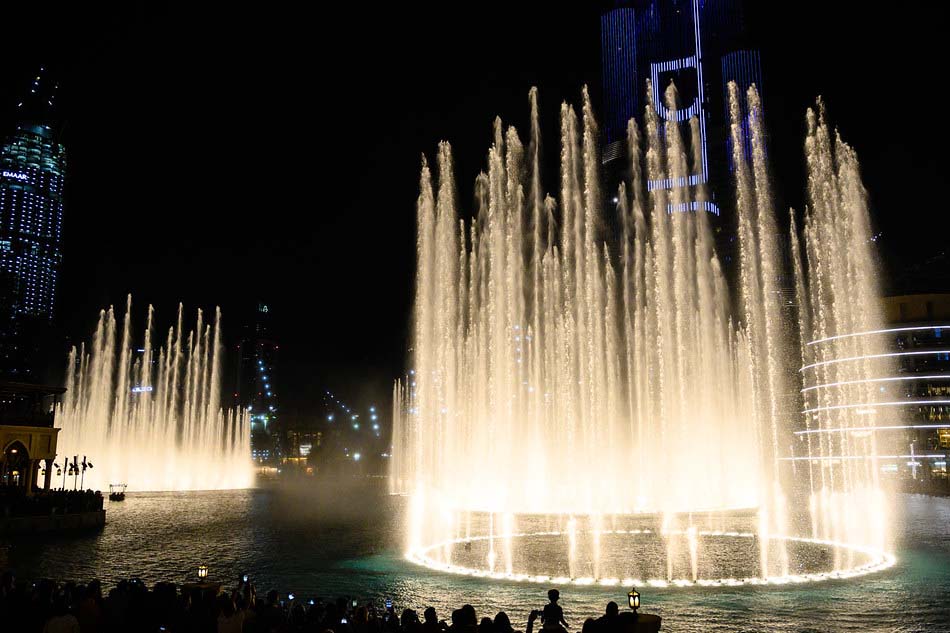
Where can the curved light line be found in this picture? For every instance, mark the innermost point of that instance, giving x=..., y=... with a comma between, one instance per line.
x=846, y=429
x=821, y=458
x=899, y=403
x=885, y=331
x=879, y=560
x=891, y=379
x=890, y=354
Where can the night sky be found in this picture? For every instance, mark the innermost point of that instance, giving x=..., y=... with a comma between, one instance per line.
x=222, y=156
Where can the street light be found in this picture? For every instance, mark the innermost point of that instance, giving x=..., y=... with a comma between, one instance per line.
x=633, y=598
x=202, y=572
x=85, y=464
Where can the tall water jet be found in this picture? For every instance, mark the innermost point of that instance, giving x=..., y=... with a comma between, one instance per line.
x=581, y=374
x=152, y=419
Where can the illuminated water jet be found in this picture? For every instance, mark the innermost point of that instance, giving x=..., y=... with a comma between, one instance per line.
x=588, y=365
x=152, y=418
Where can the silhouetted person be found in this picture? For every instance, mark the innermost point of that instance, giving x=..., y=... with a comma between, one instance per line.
x=552, y=617
x=271, y=617
x=409, y=620
x=503, y=623
x=62, y=621
x=608, y=623
x=486, y=626
x=431, y=622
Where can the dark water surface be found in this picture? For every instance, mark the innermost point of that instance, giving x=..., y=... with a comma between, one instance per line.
x=347, y=542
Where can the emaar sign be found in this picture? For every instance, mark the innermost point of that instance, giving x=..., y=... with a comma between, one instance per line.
x=15, y=175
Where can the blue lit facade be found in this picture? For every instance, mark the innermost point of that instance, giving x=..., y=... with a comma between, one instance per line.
x=700, y=45
x=32, y=174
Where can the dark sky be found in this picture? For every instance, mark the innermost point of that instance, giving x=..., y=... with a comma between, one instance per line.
x=221, y=156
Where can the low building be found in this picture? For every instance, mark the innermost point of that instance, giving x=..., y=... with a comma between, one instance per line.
x=919, y=326
x=27, y=436
x=907, y=426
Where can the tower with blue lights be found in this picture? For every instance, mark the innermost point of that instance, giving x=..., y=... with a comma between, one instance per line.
x=256, y=390
x=701, y=46
x=32, y=174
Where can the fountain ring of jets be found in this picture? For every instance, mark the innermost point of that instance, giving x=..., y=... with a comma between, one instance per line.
x=874, y=560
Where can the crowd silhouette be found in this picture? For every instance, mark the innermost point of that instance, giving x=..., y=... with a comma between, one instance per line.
x=48, y=606
x=14, y=502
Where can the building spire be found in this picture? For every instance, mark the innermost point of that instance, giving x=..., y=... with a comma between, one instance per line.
x=38, y=102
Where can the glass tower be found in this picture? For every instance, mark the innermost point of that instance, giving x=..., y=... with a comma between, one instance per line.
x=700, y=45
x=32, y=171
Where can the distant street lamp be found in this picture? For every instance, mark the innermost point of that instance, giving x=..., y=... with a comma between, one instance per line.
x=202, y=572
x=85, y=465
x=64, y=471
x=633, y=599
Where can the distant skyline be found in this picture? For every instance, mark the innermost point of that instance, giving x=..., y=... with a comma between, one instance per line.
x=229, y=157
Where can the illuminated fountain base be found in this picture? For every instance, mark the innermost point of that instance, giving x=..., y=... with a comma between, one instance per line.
x=626, y=551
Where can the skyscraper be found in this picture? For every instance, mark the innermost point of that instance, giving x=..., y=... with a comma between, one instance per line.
x=32, y=171
x=700, y=45
x=256, y=389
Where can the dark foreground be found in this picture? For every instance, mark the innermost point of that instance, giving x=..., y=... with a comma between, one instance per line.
x=132, y=607
x=349, y=542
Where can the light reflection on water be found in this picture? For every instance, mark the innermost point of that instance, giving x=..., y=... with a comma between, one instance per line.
x=340, y=542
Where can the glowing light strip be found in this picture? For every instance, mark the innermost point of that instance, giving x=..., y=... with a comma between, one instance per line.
x=699, y=83
x=842, y=457
x=845, y=429
x=879, y=561
x=639, y=513
x=871, y=405
x=695, y=108
x=693, y=206
x=889, y=379
x=890, y=354
x=885, y=331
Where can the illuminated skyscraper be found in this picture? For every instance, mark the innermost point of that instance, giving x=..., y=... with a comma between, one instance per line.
x=700, y=45
x=32, y=171
x=256, y=390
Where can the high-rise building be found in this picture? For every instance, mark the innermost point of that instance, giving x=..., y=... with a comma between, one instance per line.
x=700, y=45
x=256, y=390
x=32, y=172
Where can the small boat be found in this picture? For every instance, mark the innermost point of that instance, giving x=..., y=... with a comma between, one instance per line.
x=117, y=492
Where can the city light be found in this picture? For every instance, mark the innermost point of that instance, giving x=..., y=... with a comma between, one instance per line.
x=892, y=427
x=899, y=403
x=824, y=458
x=356, y=457
x=884, y=331
x=870, y=356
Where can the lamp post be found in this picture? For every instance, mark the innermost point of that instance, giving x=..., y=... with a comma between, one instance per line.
x=633, y=599
x=75, y=469
x=85, y=465
x=202, y=573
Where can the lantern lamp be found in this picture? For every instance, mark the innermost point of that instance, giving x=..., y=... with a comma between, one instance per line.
x=633, y=598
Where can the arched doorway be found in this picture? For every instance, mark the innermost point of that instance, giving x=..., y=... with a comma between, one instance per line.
x=16, y=465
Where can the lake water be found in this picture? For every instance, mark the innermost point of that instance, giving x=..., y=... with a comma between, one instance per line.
x=346, y=541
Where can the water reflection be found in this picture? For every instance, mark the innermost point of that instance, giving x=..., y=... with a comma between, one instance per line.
x=347, y=541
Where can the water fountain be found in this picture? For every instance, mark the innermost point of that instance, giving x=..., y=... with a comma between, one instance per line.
x=151, y=418
x=588, y=402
